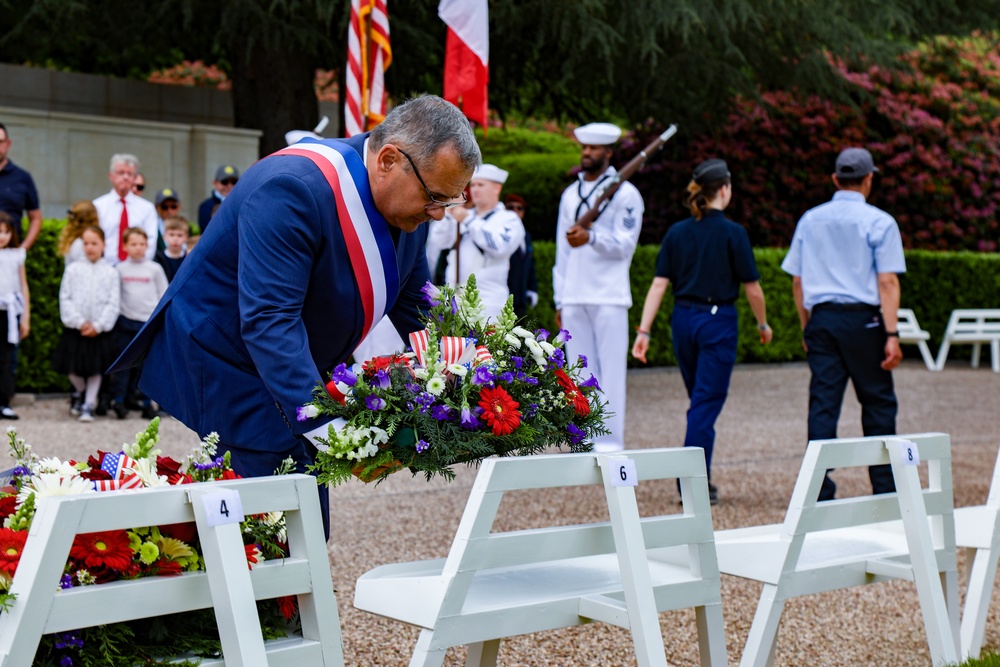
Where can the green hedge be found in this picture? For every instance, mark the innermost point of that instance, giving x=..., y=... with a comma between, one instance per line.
x=45, y=269
x=935, y=283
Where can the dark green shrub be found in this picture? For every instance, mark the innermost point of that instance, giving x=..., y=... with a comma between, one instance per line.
x=45, y=269
x=935, y=283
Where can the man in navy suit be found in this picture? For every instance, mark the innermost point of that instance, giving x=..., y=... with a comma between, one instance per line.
x=313, y=246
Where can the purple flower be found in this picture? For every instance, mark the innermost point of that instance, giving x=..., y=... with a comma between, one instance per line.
x=541, y=334
x=66, y=581
x=531, y=410
x=20, y=471
x=374, y=402
x=562, y=337
x=211, y=465
x=382, y=379
x=413, y=387
x=531, y=380
x=65, y=661
x=557, y=359
x=306, y=412
x=518, y=361
x=424, y=399
x=469, y=420
x=422, y=446
x=583, y=361
x=483, y=375
x=68, y=640
x=591, y=383
x=432, y=294
x=410, y=407
x=344, y=374
x=454, y=306
x=575, y=433
x=506, y=376
x=441, y=412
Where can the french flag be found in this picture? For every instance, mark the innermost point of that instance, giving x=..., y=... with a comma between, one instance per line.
x=467, y=56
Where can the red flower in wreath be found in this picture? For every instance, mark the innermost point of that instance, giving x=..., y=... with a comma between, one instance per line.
x=11, y=546
x=8, y=504
x=109, y=549
x=287, y=606
x=580, y=403
x=500, y=410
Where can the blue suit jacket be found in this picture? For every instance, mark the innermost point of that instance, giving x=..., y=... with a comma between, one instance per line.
x=263, y=309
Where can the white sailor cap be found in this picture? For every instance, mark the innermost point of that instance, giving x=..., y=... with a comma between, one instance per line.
x=295, y=136
x=491, y=172
x=597, y=134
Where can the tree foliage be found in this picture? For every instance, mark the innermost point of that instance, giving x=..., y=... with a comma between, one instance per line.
x=671, y=60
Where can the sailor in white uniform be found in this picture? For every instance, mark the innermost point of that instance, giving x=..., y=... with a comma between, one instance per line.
x=483, y=242
x=590, y=278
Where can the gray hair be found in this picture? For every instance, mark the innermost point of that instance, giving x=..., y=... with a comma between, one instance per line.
x=422, y=126
x=124, y=158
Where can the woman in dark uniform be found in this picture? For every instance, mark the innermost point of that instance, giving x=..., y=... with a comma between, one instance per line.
x=706, y=257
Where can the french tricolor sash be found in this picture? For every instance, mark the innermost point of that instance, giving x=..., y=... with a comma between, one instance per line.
x=366, y=232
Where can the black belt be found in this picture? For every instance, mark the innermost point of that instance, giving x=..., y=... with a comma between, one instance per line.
x=694, y=301
x=847, y=307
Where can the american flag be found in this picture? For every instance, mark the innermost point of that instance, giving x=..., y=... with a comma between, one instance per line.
x=120, y=467
x=368, y=56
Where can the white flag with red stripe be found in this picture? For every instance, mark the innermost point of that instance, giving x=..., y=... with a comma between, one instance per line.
x=369, y=54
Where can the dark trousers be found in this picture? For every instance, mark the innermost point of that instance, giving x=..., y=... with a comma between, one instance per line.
x=705, y=346
x=848, y=342
x=127, y=380
x=256, y=463
x=8, y=359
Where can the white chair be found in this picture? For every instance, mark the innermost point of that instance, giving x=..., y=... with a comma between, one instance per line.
x=500, y=584
x=825, y=546
x=977, y=529
x=911, y=333
x=227, y=585
x=972, y=327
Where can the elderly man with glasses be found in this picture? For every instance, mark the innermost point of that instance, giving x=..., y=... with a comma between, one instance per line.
x=313, y=246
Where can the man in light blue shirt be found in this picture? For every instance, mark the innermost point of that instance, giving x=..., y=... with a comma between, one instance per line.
x=844, y=259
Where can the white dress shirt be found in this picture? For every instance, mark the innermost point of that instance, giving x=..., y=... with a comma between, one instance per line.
x=141, y=213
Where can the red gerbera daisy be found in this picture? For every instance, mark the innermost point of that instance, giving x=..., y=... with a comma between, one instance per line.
x=580, y=403
x=109, y=549
x=500, y=410
x=253, y=553
x=11, y=546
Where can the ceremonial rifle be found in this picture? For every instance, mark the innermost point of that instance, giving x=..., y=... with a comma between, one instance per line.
x=587, y=219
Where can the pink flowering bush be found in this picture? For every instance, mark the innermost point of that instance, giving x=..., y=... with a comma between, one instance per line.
x=933, y=127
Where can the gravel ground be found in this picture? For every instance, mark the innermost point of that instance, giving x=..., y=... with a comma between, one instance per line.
x=760, y=442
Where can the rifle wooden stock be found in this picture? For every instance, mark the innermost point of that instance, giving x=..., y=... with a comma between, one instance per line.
x=626, y=172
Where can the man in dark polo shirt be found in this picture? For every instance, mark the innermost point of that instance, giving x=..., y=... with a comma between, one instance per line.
x=18, y=194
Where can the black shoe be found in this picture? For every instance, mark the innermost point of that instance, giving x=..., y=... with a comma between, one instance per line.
x=713, y=494
x=102, y=406
x=149, y=411
x=120, y=410
x=75, y=403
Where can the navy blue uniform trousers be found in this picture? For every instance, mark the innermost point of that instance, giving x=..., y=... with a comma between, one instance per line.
x=705, y=347
x=848, y=342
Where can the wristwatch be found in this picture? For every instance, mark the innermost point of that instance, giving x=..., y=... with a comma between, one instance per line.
x=762, y=327
x=892, y=334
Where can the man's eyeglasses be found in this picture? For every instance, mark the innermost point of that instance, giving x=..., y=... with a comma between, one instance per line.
x=139, y=187
x=170, y=206
x=229, y=181
x=435, y=203
x=515, y=207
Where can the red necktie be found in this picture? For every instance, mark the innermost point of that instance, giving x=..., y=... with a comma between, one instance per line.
x=122, y=226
